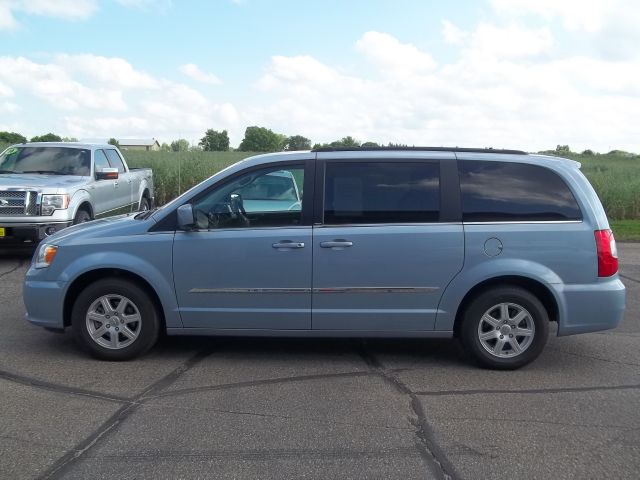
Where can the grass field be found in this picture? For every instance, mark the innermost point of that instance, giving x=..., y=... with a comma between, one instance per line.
x=616, y=178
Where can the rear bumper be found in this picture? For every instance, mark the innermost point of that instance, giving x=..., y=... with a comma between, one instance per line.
x=592, y=307
x=20, y=233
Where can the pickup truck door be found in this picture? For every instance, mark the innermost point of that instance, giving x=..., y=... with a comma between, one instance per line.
x=251, y=271
x=124, y=190
x=103, y=191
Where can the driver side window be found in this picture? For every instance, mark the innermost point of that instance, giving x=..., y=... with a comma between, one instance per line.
x=269, y=197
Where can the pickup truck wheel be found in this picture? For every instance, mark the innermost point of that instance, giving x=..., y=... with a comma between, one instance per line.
x=505, y=328
x=81, y=217
x=144, y=204
x=115, y=319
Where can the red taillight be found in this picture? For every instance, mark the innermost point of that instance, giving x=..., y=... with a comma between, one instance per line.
x=607, y=253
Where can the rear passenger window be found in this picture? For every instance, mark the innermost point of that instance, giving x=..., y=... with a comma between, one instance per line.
x=503, y=191
x=381, y=192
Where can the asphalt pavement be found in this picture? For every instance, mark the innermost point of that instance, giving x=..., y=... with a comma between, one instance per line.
x=290, y=408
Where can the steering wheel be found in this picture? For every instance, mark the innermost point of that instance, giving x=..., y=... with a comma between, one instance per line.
x=237, y=207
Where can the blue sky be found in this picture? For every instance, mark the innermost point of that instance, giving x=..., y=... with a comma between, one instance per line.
x=506, y=73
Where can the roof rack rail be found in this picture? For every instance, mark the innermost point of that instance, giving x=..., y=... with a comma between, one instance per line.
x=425, y=149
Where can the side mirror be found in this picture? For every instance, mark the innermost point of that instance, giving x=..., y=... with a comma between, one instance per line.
x=186, y=220
x=107, y=174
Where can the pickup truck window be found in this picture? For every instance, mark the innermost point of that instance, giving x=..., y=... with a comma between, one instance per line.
x=262, y=198
x=101, y=160
x=115, y=160
x=46, y=160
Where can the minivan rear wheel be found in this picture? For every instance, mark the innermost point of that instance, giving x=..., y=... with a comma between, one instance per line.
x=504, y=328
x=115, y=319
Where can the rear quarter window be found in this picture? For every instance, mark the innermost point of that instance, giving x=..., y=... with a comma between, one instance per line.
x=507, y=191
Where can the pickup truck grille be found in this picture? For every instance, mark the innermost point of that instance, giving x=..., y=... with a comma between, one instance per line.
x=17, y=203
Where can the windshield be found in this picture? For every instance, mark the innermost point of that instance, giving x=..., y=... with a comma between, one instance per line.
x=46, y=160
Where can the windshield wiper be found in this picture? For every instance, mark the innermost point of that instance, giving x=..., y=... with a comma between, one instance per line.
x=45, y=172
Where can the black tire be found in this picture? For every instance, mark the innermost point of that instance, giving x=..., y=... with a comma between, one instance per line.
x=147, y=329
x=82, y=216
x=516, y=301
x=144, y=204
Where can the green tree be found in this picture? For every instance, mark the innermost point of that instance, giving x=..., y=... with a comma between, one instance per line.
x=180, y=145
x=165, y=147
x=588, y=152
x=260, y=139
x=215, y=141
x=562, y=150
x=369, y=145
x=48, y=137
x=345, y=142
x=297, y=142
x=69, y=139
x=114, y=142
x=12, y=137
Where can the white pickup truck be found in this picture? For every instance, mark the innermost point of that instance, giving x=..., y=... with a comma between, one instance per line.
x=45, y=187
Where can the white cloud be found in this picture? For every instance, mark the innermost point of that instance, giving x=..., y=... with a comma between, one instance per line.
x=452, y=34
x=111, y=71
x=7, y=20
x=5, y=90
x=393, y=57
x=508, y=42
x=65, y=9
x=157, y=5
x=9, y=107
x=53, y=84
x=191, y=70
x=507, y=88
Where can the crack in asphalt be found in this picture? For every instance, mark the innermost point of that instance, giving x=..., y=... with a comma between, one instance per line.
x=441, y=393
x=267, y=454
x=9, y=272
x=62, y=465
x=256, y=383
x=494, y=420
x=149, y=404
x=429, y=448
x=54, y=387
x=594, y=357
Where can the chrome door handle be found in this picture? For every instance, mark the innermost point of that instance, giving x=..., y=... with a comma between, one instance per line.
x=288, y=244
x=336, y=244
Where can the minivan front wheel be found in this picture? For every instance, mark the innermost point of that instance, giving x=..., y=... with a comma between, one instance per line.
x=505, y=328
x=115, y=319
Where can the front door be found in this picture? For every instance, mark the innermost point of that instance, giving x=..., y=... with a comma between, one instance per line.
x=383, y=254
x=104, y=192
x=248, y=263
x=125, y=187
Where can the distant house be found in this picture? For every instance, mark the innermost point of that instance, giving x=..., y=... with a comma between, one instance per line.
x=148, y=144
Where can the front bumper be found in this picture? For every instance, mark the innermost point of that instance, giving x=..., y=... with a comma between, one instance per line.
x=20, y=233
x=44, y=302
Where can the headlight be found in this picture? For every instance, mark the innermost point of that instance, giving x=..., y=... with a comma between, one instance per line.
x=51, y=203
x=46, y=254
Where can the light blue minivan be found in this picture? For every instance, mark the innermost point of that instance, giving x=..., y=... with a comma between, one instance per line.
x=485, y=245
